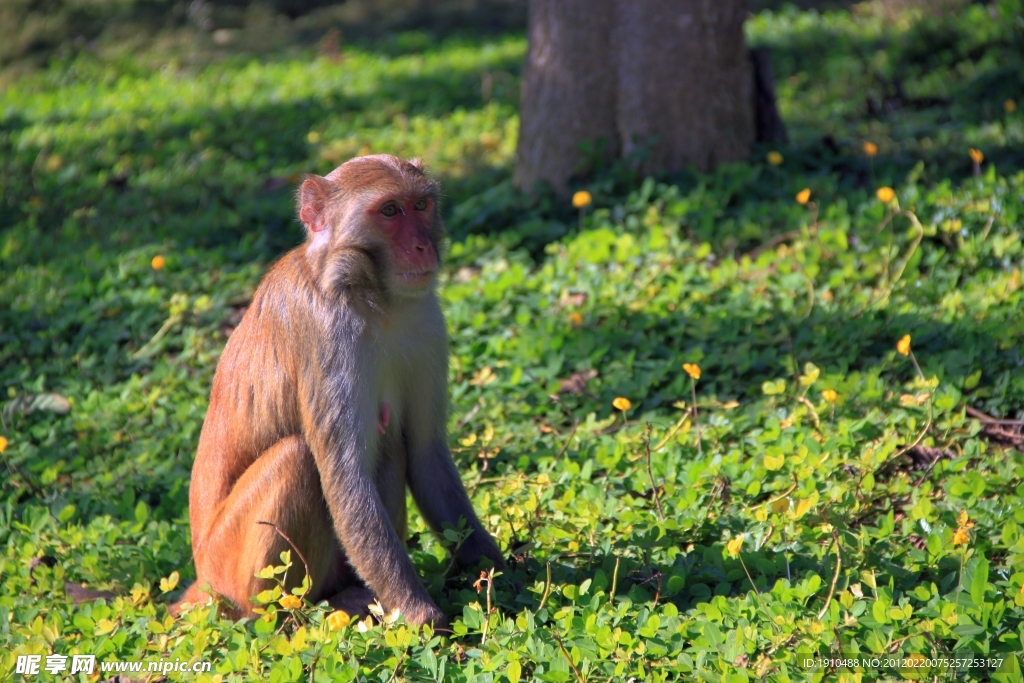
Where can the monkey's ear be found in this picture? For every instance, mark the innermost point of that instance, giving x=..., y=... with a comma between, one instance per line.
x=417, y=163
x=312, y=200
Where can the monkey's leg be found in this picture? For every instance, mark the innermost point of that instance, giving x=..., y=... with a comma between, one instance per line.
x=281, y=487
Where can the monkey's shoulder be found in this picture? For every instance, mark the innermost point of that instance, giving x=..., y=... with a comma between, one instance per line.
x=287, y=294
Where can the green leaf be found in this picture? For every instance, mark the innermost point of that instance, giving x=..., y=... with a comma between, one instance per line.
x=429, y=661
x=969, y=630
x=83, y=622
x=880, y=611
x=979, y=583
x=1009, y=670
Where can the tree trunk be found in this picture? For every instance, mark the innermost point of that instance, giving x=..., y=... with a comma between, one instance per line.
x=669, y=78
x=568, y=91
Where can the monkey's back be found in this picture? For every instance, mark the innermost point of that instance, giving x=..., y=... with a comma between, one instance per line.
x=253, y=403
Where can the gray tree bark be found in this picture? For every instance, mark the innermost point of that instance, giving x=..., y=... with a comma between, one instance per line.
x=568, y=93
x=672, y=77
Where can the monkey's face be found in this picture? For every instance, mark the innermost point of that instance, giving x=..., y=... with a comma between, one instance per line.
x=374, y=224
x=405, y=221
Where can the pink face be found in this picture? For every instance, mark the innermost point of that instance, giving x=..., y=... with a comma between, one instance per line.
x=405, y=221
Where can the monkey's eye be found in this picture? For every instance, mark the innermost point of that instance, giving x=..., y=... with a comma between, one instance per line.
x=422, y=204
x=389, y=210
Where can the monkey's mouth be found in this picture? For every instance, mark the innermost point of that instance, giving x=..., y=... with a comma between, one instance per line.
x=417, y=279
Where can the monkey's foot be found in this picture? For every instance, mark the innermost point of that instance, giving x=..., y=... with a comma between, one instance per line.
x=353, y=601
x=385, y=418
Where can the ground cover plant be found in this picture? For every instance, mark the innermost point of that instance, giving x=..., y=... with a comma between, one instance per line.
x=844, y=311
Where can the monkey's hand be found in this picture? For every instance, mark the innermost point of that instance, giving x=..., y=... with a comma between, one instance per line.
x=426, y=613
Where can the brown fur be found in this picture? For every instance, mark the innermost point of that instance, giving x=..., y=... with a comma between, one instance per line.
x=291, y=434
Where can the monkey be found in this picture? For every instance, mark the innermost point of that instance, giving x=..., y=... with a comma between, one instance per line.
x=331, y=398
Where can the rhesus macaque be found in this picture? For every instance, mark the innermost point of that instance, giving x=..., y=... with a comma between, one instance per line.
x=331, y=397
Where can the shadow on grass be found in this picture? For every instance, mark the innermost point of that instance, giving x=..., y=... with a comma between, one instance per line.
x=739, y=350
x=219, y=190
x=931, y=90
x=703, y=572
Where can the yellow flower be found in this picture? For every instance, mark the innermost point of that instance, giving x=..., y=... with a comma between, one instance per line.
x=291, y=602
x=692, y=369
x=885, y=194
x=734, y=545
x=622, y=403
x=1009, y=106
x=581, y=199
x=338, y=620
x=576, y=319
x=976, y=155
x=158, y=262
x=774, y=158
x=803, y=196
x=3, y=444
x=313, y=137
x=903, y=345
x=830, y=395
x=964, y=524
x=870, y=148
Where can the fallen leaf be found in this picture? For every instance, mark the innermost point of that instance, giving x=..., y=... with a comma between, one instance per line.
x=577, y=382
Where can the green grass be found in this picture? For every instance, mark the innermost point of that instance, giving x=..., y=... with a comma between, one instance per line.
x=623, y=565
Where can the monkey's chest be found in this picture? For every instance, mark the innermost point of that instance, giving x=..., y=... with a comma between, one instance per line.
x=388, y=403
x=388, y=456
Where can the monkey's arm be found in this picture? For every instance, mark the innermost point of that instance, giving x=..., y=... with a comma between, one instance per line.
x=433, y=478
x=340, y=427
